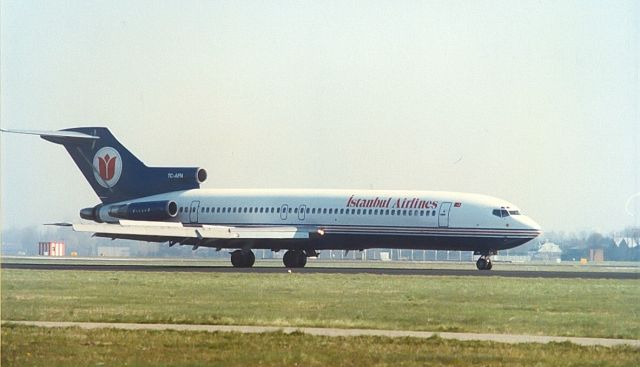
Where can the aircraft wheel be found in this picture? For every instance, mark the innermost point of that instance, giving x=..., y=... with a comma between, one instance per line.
x=249, y=259
x=489, y=265
x=242, y=259
x=294, y=259
x=481, y=264
x=236, y=259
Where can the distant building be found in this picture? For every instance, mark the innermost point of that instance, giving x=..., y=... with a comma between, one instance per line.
x=548, y=251
x=596, y=254
x=51, y=248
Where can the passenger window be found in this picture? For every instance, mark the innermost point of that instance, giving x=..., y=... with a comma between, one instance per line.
x=180, y=210
x=278, y=210
x=404, y=212
x=386, y=212
x=393, y=212
x=290, y=210
x=313, y=211
x=341, y=211
x=375, y=212
x=324, y=211
x=308, y=210
x=410, y=213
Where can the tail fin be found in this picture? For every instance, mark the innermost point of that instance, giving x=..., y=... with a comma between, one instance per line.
x=113, y=172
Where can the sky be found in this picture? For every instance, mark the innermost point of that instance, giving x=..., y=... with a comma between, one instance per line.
x=535, y=102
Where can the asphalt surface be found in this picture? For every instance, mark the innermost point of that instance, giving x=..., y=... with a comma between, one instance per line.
x=325, y=270
x=333, y=332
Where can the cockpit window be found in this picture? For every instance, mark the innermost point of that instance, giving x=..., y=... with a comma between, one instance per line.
x=514, y=212
x=500, y=213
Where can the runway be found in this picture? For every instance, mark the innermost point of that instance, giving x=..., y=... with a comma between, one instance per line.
x=326, y=270
x=334, y=332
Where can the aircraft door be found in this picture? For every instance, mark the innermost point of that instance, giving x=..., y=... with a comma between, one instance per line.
x=193, y=214
x=301, y=211
x=443, y=215
x=283, y=211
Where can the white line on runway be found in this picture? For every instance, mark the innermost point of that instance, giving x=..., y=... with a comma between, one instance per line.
x=500, y=338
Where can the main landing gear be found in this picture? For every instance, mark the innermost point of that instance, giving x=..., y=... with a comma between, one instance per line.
x=294, y=259
x=484, y=263
x=243, y=258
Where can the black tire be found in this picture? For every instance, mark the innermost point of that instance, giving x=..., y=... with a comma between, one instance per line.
x=481, y=264
x=236, y=259
x=294, y=259
x=289, y=259
x=242, y=259
x=489, y=265
x=249, y=259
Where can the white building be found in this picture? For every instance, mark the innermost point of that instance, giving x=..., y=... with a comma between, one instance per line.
x=548, y=251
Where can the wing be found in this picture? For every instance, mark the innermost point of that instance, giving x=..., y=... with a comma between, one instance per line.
x=203, y=235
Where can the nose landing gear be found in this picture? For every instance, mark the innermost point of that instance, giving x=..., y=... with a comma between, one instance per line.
x=484, y=263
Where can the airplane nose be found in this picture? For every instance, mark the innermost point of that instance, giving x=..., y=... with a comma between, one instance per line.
x=531, y=224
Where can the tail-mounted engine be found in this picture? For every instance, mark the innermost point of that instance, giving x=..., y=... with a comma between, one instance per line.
x=146, y=210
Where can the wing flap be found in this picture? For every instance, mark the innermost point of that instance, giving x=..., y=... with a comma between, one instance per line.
x=171, y=230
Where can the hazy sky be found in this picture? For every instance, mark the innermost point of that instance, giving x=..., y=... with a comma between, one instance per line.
x=536, y=102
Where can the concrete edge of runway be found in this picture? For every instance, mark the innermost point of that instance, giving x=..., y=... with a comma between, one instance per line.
x=334, y=332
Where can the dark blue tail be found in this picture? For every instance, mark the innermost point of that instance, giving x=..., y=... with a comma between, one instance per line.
x=114, y=173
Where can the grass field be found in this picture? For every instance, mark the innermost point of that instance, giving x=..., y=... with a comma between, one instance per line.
x=76, y=347
x=565, y=307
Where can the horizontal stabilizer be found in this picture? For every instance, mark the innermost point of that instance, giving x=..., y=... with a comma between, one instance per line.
x=54, y=134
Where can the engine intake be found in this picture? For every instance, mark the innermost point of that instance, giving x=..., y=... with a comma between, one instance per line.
x=148, y=210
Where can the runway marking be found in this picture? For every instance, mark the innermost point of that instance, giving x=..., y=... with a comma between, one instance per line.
x=333, y=332
x=328, y=270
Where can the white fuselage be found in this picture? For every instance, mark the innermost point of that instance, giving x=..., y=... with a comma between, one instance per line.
x=422, y=218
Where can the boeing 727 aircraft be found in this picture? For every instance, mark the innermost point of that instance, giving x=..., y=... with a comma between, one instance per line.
x=167, y=205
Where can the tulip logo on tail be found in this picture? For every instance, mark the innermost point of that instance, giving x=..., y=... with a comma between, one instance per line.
x=107, y=167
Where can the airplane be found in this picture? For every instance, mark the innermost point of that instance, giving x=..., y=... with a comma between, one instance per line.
x=167, y=205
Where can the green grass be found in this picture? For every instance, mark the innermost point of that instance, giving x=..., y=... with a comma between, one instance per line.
x=565, y=307
x=32, y=346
